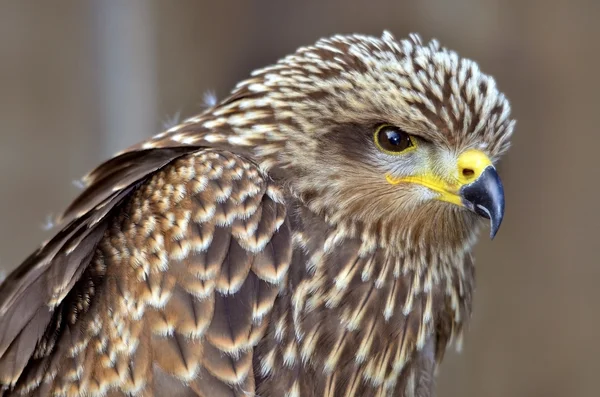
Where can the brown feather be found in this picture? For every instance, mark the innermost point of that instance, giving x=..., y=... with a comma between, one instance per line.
x=187, y=324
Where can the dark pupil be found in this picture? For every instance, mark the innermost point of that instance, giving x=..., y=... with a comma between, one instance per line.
x=394, y=139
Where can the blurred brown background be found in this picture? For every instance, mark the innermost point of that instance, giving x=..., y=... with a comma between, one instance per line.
x=80, y=80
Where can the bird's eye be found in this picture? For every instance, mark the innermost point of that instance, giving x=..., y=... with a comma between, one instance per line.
x=392, y=140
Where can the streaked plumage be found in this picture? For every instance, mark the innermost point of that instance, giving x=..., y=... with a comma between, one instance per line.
x=266, y=246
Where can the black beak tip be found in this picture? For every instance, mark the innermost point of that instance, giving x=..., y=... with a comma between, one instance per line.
x=485, y=197
x=494, y=227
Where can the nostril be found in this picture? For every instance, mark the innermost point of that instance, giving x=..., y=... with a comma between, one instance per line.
x=467, y=172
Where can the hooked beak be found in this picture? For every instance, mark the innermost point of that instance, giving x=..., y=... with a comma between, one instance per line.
x=476, y=186
x=485, y=197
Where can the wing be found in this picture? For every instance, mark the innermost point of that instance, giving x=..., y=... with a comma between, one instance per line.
x=160, y=282
x=31, y=294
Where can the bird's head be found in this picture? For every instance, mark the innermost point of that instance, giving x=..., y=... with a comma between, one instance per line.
x=400, y=136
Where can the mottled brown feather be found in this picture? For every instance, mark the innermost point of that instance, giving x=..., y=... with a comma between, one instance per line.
x=200, y=305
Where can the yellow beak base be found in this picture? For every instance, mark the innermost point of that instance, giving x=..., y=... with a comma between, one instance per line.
x=476, y=186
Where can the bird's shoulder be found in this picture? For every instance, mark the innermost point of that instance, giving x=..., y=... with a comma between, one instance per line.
x=158, y=253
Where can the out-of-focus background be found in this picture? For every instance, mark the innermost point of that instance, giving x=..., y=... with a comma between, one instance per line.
x=80, y=80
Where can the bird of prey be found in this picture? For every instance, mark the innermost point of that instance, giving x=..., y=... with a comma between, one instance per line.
x=309, y=235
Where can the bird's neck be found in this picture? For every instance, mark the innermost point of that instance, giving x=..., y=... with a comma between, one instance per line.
x=382, y=308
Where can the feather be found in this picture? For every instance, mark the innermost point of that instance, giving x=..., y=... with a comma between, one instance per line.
x=190, y=286
x=31, y=293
